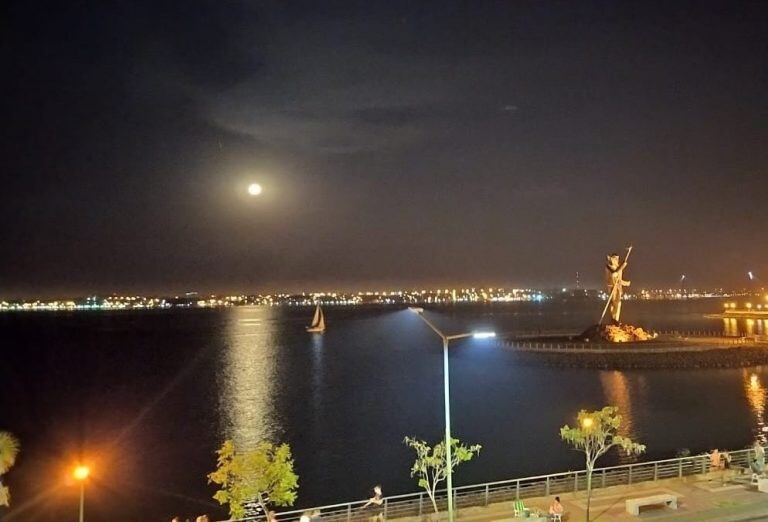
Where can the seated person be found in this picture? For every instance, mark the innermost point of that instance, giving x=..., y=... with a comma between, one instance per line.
x=377, y=502
x=556, y=508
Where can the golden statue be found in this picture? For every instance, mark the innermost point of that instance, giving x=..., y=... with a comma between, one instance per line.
x=615, y=283
x=615, y=332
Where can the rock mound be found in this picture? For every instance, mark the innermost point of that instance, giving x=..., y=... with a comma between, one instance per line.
x=617, y=333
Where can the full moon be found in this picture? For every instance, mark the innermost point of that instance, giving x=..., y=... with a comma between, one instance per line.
x=254, y=189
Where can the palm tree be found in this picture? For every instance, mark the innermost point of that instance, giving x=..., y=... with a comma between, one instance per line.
x=9, y=449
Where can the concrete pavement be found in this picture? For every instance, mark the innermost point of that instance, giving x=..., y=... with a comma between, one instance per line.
x=713, y=496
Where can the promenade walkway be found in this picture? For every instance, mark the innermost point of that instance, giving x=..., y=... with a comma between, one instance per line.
x=702, y=494
x=700, y=497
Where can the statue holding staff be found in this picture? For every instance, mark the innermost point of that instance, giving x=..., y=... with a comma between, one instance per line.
x=615, y=331
x=615, y=283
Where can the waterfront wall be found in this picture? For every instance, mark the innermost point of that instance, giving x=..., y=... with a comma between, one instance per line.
x=676, y=350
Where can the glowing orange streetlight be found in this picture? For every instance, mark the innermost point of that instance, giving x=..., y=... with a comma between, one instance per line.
x=587, y=422
x=80, y=473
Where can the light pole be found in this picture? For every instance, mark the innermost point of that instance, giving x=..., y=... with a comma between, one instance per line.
x=446, y=396
x=81, y=474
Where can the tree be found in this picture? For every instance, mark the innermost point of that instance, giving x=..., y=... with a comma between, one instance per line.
x=595, y=434
x=263, y=474
x=9, y=450
x=431, y=466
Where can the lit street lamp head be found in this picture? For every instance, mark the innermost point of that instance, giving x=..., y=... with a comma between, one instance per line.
x=81, y=472
x=254, y=189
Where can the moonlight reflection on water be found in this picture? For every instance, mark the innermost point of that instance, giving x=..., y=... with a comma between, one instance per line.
x=246, y=401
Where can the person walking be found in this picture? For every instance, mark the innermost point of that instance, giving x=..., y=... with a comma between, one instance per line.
x=759, y=455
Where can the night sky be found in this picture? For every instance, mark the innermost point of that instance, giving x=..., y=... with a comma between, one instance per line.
x=398, y=143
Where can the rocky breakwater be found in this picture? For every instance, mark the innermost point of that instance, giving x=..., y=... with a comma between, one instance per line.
x=617, y=333
x=622, y=347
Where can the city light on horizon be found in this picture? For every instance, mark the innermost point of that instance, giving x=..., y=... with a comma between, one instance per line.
x=412, y=298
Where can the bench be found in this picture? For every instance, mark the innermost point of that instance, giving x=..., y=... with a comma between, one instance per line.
x=634, y=504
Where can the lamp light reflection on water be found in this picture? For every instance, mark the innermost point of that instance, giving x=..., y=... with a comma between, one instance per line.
x=616, y=388
x=755, y=392
x=750, y=327
x=733, y=327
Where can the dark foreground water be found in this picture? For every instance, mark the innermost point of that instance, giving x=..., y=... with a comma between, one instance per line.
x=146, y=398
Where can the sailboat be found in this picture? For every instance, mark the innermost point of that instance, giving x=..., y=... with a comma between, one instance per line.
x=318, y=321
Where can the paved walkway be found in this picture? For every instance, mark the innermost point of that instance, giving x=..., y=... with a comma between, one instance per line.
x=701, y=497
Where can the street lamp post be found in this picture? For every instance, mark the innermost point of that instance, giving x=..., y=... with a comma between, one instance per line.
x=81, y=474
x=446, y=397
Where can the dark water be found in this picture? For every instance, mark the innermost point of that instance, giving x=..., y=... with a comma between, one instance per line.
x=146, y=397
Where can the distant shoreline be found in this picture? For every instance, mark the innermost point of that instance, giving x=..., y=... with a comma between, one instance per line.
x=179, y=303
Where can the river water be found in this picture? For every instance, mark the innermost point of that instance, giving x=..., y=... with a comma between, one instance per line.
x=146, y=398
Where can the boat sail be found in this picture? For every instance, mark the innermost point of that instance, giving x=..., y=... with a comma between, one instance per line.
x=318, y=321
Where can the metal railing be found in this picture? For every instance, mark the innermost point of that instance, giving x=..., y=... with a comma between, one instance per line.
x=478, y=495
x=700, y=333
